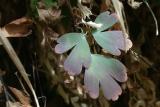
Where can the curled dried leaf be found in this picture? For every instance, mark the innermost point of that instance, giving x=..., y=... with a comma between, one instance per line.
x=24, y=100
x=18, y=28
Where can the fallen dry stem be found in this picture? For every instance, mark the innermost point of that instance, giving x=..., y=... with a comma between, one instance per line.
x=8, y=47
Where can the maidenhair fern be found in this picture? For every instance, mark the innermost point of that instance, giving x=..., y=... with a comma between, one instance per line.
x=99, y=70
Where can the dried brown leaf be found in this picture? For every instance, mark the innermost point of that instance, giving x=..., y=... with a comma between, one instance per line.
x=49, y=33
x=51, y=14
x=24, y=100
x=13, y=104
x=18, y=28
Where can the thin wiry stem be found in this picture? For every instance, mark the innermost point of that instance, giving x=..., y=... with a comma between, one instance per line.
x=154, y=17
x=7, y=95
x=20, y=81
x=8, y=47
